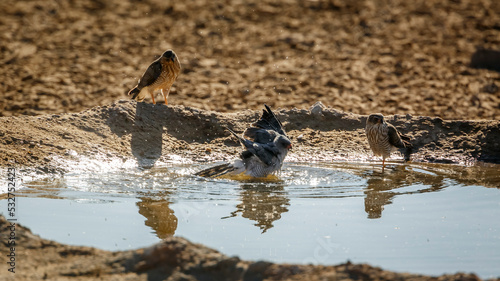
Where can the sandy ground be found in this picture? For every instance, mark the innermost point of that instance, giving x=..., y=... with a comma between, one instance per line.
x=390, y=56
x=430, y=66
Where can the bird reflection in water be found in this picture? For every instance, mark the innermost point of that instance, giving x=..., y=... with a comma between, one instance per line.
x=382, y=188
x=262, y=203
x=159, y=216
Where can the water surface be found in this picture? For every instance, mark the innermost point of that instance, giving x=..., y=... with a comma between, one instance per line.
x=419, y=218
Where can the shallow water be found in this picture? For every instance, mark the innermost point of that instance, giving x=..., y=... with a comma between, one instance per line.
x=419, y=218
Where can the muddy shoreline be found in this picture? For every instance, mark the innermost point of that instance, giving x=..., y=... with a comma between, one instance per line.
x=148, y=133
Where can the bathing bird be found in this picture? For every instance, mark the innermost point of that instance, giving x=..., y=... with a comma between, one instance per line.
x=266, y=146
x=160, y=75
x=384, y=138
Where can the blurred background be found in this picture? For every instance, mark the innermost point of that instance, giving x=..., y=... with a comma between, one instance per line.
x=388, y=56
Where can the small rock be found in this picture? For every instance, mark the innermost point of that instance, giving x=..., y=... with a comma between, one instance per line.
x=317, y=108
x=490, y=88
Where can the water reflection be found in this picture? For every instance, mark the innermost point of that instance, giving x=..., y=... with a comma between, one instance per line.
x=405, y=179
x=382, y=188
x=42, y=188
x=483, y=174
x=263, y=203
x=159, y=216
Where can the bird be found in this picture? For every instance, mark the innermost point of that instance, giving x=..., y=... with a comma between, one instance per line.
x=160, y=75
x=384, y=138
x=266, y=146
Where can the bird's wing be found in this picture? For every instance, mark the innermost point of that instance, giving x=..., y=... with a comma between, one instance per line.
x=265, y=152
x=395, y=137
x=262, y=128
x=242, y=140
x=260, y=135
x=151, y=74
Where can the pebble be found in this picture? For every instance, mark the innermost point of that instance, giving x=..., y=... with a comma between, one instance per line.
x=317, y=108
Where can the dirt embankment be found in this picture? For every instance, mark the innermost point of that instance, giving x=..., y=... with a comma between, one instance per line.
x=148, y=133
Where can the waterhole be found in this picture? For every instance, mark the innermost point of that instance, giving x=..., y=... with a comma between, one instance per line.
x=419, y=218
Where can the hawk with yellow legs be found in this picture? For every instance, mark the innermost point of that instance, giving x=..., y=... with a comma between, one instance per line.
x=384, y=138
x=160, y=75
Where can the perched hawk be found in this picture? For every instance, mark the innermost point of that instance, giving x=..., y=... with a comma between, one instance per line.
x=160, y=75
x=384, y=138
x=266, y=145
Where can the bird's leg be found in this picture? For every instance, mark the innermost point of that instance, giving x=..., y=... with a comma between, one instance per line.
x=383, y=164
x=165, y=96
x=152, y=96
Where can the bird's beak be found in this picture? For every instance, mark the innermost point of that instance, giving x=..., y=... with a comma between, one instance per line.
x=289, y=146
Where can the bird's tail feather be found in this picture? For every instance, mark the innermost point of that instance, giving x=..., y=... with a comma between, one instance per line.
x=134, y=92
x=408, y=149
x=216, y=171
x=406, y=139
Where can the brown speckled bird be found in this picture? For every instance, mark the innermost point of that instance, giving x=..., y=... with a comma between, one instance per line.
x=384, y=138
x=160, y=75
